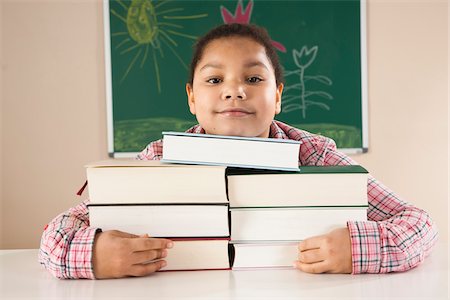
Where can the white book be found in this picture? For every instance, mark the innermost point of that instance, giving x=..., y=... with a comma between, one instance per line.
x=264, y=255
x=135, y=181
x=261, y=153
x=198, y=254
x=162, y=220
x=272, y=224
x=311, y=186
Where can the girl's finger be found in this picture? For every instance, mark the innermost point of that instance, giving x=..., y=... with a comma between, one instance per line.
x=315, y=268
x=311, y=256
x=144, y=244
x=147, y=256
x=310, y=243
x=146, y=269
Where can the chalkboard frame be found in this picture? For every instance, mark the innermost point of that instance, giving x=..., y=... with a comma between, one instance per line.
x=109, y=90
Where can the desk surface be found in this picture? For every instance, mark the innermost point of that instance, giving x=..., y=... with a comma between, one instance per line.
x=21, y=277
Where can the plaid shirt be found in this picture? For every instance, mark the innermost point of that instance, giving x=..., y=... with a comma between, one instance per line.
x=396, y=237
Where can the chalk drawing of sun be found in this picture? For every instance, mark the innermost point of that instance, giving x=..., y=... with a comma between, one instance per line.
x=149, y=27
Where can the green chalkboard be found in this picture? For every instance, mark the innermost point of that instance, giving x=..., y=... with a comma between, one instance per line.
x=149, y=47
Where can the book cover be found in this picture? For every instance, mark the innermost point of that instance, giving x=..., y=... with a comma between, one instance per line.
x=193, y=254
x=310, y=186
x=261, y=153
x=135, y=181
x=254, y=255
x=290, y=223
x=168, y=220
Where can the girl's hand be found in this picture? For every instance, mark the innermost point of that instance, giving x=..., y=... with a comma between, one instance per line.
x=118, y=254
x=329, y=253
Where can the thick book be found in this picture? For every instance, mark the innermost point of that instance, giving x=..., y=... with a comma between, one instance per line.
x=249, y=152
x=201, y=220
x=311, y=186
x=255, y=255
x=198, y=254
x=135, y=181
x=290, y=223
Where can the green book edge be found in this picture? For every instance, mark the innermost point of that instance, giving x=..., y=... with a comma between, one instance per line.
x=304, y=207
x=350, y=169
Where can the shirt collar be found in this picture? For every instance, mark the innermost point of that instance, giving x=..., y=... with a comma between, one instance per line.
x=276, y=132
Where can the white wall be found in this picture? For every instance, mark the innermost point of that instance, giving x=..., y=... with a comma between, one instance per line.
x=1, y=125
x=54, y=118
x=408, y=102
x=54, y=110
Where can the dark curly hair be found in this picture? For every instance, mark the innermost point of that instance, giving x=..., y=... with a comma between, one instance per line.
x=256, y=33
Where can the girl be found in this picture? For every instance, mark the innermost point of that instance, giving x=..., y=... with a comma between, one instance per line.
x=235, y=88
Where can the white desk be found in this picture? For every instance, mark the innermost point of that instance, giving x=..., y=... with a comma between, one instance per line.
x=21, y=277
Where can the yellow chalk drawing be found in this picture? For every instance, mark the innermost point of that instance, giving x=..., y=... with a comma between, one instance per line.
x=149, y=26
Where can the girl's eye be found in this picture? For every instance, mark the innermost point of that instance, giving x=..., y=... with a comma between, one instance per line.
x=254, y=79
x=214, y=80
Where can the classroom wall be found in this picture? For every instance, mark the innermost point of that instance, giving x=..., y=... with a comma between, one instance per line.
x=54, y=119
x=54, y=110
x=408, y=102
x=1, y=123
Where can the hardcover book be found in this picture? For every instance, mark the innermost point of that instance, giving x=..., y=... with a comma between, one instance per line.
x=136, y=181
x=163, y=220
x=310, y=186
x=290, y=223
x=276, y=254
x=198, y=254
x=248, y=152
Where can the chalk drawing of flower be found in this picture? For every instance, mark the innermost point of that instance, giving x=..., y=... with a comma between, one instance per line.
x=302, y=98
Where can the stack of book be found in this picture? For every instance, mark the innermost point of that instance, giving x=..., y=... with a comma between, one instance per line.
x=272, y=211
x=166, y=201
x=207, y=183
x=273, y=204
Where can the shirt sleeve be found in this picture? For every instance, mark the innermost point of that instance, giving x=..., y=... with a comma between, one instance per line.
x=153, y=151
x=396, y=237
x=67, y=244
x=68, y=240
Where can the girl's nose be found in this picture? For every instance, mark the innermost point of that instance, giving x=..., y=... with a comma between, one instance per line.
x=234, y=93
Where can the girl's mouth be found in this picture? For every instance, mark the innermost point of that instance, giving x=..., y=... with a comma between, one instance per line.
x=235, y=112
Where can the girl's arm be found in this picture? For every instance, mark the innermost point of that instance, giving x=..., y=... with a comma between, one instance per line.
x=67, y=244
x=72, y=249
x=396, y=237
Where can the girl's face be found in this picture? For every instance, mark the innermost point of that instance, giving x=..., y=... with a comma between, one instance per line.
x=234, y=90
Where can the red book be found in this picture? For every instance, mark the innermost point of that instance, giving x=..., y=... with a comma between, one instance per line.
x=190, y=254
